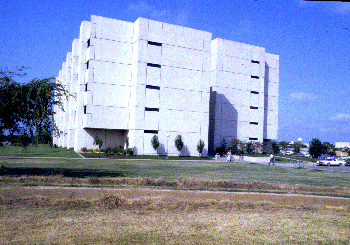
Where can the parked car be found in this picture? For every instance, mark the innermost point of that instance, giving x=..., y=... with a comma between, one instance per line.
x=329, y=162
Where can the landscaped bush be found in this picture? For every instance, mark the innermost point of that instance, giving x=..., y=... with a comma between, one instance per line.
x=130, y=151
x=118, y=150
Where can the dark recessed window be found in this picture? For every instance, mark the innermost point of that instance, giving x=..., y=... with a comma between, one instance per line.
x=87, y=65
x=254, y=107
x=86, y=87
x=154, y=43
x=255, y=77
x=153, y=87
x=150, y=131
x=154, y=65
x=88, y=42
x=253, y=138
x=151, y=109
x=254, y=92
x=84, y=109
x=255, y=62
x=254, y=123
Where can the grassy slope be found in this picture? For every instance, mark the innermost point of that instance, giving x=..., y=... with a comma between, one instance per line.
x=37, y=151
x=174, y=170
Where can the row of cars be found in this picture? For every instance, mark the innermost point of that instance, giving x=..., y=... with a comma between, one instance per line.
x=334, y=161
x=291, y=153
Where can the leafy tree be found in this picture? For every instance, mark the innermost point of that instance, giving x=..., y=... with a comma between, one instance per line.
x=200, y=146
x=179, y=144
x=98, y=142
x=28, y=108
x=155, y=142
x=11, y=104
x=275, y=147
x=40, y=96
x=316, y=148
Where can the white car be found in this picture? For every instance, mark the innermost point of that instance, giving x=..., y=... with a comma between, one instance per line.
x=329, y=162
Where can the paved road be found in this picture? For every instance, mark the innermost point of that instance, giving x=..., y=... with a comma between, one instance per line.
x=309, y=165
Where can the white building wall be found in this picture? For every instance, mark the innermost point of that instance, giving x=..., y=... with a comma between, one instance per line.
x=244, y=103
x=139, y=79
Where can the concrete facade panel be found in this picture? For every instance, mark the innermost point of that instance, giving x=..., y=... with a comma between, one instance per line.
x=255, y=69
x=182, y=57
x=155, y=31
x=112, y=29
x=151, y=120
x=254, y=99
x=236, y=65
x=152, y=98
x=111, y=95
x=256, y=85
x=153, y=76
x=112, y=73
x=113, y=51
x=173, y=77
x=179, y=99
x=185, y=37
x=140, y=30
x=109, y=117
x=154, y=54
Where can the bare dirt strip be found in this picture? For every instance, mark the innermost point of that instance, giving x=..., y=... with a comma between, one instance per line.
x=88, y=193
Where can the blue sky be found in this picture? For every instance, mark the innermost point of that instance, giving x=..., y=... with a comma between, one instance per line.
x=310, y=37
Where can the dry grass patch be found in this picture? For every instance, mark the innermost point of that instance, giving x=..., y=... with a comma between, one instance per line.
x=120, y=226
x=190, y=183
x=61, y=215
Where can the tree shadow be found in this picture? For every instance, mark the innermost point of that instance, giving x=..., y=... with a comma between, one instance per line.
x=223, y=118
x=66, y=172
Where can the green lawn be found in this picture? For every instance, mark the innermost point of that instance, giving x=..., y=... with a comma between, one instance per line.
x=174, y=170
x=37, y=151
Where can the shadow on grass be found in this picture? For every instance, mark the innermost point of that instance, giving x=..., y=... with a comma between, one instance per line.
x=78, y=173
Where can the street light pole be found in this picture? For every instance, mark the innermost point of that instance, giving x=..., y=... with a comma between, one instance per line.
x=167, y=149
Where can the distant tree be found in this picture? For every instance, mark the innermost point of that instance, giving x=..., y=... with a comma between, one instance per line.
x=284, y=145
x=329, y=148
x=155, y=142
x=297, y=146
x=275, y=147
x=200, y=146
x=347, y=149
x=179, y=144
x=316, y=148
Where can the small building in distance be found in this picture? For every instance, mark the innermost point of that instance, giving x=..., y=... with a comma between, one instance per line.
x=132, y=80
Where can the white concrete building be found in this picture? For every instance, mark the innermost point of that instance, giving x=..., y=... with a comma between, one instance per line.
x=134, y=80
